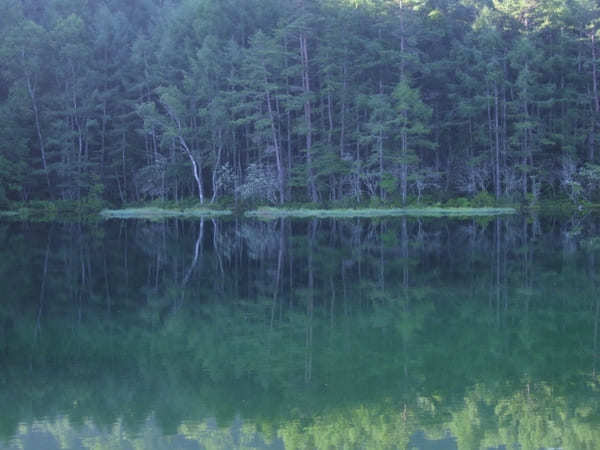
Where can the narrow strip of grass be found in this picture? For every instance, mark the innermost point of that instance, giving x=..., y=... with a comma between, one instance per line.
x=41, y=216
x=549, y=207
x=379, y=212
x=160, y=213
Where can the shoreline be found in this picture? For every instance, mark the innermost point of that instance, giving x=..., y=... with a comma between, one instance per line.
x=158, y=213
x=378, y=212
x=50, y=212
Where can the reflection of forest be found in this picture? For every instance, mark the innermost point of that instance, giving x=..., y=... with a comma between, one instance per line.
x=317, y=333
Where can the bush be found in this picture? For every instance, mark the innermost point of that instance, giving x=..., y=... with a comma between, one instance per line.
x=459, y=202
x=375, y=202
x=482, y=199
x=260, y=185
x=344, y=203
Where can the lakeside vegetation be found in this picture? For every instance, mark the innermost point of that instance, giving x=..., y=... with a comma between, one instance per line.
x=72, y=211
x=380, y=212
x=153, y=213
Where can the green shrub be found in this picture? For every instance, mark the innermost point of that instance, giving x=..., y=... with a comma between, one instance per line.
x=375, y=202
x=459, y=202
x=482, y=199
x=344, y=203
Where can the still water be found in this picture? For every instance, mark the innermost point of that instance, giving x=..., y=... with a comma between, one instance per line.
x=400, y=333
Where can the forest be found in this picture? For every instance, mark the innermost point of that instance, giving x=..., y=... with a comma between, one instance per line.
x=338, y=102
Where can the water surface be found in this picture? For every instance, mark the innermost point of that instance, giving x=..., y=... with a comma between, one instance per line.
x=387, y=333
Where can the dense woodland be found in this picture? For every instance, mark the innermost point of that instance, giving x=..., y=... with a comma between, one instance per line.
x=270, y=101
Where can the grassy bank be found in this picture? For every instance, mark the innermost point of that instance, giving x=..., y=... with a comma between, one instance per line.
x=47, y=211
x=161, y=213
x=51, y=211
x=9, y=214
x=378, y=212
x=562, y=207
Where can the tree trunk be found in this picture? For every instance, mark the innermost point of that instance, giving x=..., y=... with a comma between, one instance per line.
x=307, y=118
x=404, y=163
x=278, y=158
x=591, y=155
x=197, y=171
x=38, y=129
x=216, y=166
x=497, y=142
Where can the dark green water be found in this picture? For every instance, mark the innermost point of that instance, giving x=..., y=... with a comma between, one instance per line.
x=431, y=334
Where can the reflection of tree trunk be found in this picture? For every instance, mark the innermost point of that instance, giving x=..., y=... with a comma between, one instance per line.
x=380, y=152
x=344, y=288
x=596, y=317
x=404, y=255
x=358, y=228
x=159, y=251
x=405, y=290
x=381, y=259
x=42, y=289
x=310, y=304
x=404, y=163
x=279, y=267
x=196, y=253
x=83, y=281
x=527, y=262
x=593, y=276
x=357, y=161
x=497, y=280
x=291, y=269
x=332, y=306
x=504, y=269
x=188, y=274
x=238, y=259
x=106, y=285
x=218, y=254
x=126, y=258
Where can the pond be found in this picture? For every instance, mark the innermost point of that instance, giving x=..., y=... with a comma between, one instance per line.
x=379, y=333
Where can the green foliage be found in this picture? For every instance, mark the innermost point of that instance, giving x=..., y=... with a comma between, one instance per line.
x=590, y=181
x=375, y=211
x=459, y=202
x=483, y=199
x=162, y=213
x=388, y=183
x=260, y=185
x=329, y=101
x=94, y=199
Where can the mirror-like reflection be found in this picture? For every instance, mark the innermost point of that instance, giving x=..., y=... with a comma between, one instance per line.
x=301, y=334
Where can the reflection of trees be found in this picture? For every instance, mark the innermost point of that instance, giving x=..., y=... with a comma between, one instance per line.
x=301, y=335
x=372, y=374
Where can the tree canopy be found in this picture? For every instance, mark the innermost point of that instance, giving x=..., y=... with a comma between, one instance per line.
x=309, y=100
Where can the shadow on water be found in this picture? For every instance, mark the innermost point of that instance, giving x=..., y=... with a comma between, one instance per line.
x=392, y=333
